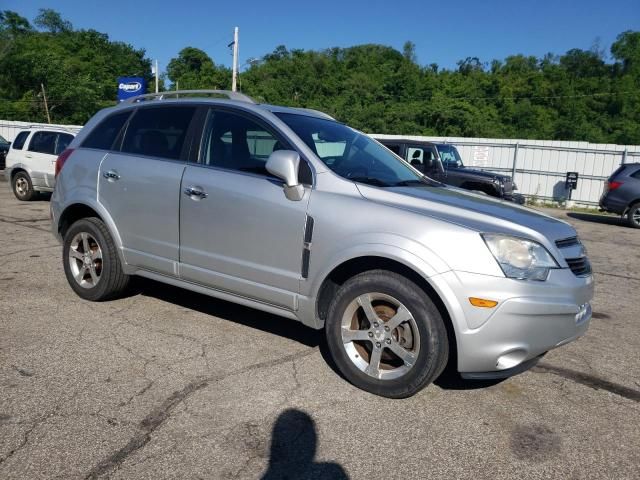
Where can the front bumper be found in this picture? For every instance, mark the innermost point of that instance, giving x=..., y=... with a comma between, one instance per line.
x=530, y=319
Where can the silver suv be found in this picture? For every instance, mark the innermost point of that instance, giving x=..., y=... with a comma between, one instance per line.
x=289, y=211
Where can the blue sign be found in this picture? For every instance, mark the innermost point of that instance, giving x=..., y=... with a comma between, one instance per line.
x=131, y=87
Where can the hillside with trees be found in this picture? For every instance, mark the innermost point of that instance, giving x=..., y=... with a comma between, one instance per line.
x=579, y=95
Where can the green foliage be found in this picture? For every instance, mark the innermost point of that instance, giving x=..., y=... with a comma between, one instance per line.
x=576, y=96
x=194, y=69
x=78, y=68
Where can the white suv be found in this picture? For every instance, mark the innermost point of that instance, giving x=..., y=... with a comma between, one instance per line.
x=32, y=158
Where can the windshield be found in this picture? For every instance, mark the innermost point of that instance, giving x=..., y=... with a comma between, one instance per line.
x=351, y=154
x=450, y=156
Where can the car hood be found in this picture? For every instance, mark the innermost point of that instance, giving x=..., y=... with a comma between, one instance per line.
x=478, y=173
x=478, y=212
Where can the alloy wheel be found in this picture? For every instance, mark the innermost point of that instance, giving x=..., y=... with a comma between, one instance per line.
x=85, y=260
x=380, y=336
x=22, y=186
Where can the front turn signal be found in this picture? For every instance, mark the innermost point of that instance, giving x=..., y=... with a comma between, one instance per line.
x=482, y=302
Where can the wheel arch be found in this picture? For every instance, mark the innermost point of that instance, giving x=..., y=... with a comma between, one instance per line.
x=78, y=210
x=360, y=264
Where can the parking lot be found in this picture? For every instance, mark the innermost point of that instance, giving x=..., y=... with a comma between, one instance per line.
x=172, y=384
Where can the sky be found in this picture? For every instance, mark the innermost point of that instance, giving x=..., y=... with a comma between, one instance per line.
x=443, y=32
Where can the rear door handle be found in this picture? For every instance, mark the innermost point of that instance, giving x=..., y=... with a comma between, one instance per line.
x=111, y=175
x=196, y=193
x=28, y=155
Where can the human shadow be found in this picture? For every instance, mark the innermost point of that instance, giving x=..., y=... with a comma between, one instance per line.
x=604, y=219
x=228, y=311
x=294, y=442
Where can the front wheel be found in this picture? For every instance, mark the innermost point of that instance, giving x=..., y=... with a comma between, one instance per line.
x=385, y=334
x=633, y=216
x=91, y=262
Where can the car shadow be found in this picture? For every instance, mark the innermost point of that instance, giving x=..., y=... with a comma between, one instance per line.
x=595, y=218
x=232, y=312
x=449, y=379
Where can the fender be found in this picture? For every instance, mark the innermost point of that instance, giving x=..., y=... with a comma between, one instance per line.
x=85, y=196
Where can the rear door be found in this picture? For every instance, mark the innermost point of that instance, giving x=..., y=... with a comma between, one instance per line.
x=238, y=231
x=40, y=157
x=139, y=185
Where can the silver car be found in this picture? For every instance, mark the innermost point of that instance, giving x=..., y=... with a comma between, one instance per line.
x=289, y=211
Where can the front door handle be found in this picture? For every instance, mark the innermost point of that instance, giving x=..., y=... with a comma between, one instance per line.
x=196, y=193
x=111, y=175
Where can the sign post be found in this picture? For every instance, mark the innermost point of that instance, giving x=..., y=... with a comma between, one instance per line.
x=131, y=87
x=571, y=182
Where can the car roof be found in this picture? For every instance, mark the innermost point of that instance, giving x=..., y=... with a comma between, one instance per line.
x=233, y=98
x=385, y=139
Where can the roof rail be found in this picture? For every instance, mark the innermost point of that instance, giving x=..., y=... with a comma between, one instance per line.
x=171, y=93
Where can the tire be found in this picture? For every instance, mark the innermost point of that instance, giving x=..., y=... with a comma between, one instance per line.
x=22, y=186
x=94, y=273
x=421, y=337
x=633, y=215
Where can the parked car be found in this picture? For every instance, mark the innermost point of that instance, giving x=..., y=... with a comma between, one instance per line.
x=442, y=162
x=31, y=160
x=4, y=148
x=288, y=211
x=622, y=193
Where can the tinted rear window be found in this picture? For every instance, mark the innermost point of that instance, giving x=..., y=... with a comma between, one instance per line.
x=18, y=142
x=64, y=139
x=158, y=131
x=636, y=174
x=43, y=142
x=103, y=136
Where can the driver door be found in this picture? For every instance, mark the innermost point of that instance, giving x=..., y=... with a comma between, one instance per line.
x=238, y=231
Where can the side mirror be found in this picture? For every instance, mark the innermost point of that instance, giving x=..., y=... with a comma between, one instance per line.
x=284, y=164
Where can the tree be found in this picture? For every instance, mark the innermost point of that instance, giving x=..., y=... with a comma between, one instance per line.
x=51, y=21
x=194, y=69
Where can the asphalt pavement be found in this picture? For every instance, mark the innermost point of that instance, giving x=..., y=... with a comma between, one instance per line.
x=171, y=384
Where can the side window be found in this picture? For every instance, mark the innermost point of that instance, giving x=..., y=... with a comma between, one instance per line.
x=158, y=131
x=64, y=139
x=103, y=135
x=237, y=143
x=18, y=142
x=43, y=142
x=416, y=156
x=394, y=148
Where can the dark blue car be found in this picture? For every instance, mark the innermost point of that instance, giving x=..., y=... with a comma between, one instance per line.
x=622, y=193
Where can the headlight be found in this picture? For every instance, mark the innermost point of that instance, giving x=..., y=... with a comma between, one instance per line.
x=519, y=258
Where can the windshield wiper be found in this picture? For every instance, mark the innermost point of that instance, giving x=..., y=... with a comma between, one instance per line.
x=370, y=180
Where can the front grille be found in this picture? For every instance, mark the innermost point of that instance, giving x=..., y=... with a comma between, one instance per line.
x=567, y=242
x=579, y=266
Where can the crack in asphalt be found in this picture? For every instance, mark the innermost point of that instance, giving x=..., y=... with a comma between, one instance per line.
x=160, y=414
x=20, y=224
x=590, y=381
x=626, y=277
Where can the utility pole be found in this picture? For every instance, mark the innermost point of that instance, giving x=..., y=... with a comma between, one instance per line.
x=234, y=77
x=46, y=107
x=156, y=76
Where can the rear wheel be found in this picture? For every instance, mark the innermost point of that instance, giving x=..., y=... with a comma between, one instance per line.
x=91, y=262
x=22, y=186
x=633, y=216
x=386, y=335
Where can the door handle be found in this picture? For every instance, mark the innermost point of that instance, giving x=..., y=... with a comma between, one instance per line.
x=28, y=155
x=111, y=175
x=196, y=193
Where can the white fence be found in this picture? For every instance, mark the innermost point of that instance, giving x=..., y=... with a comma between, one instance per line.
x=9, y=129
x=539, y=167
